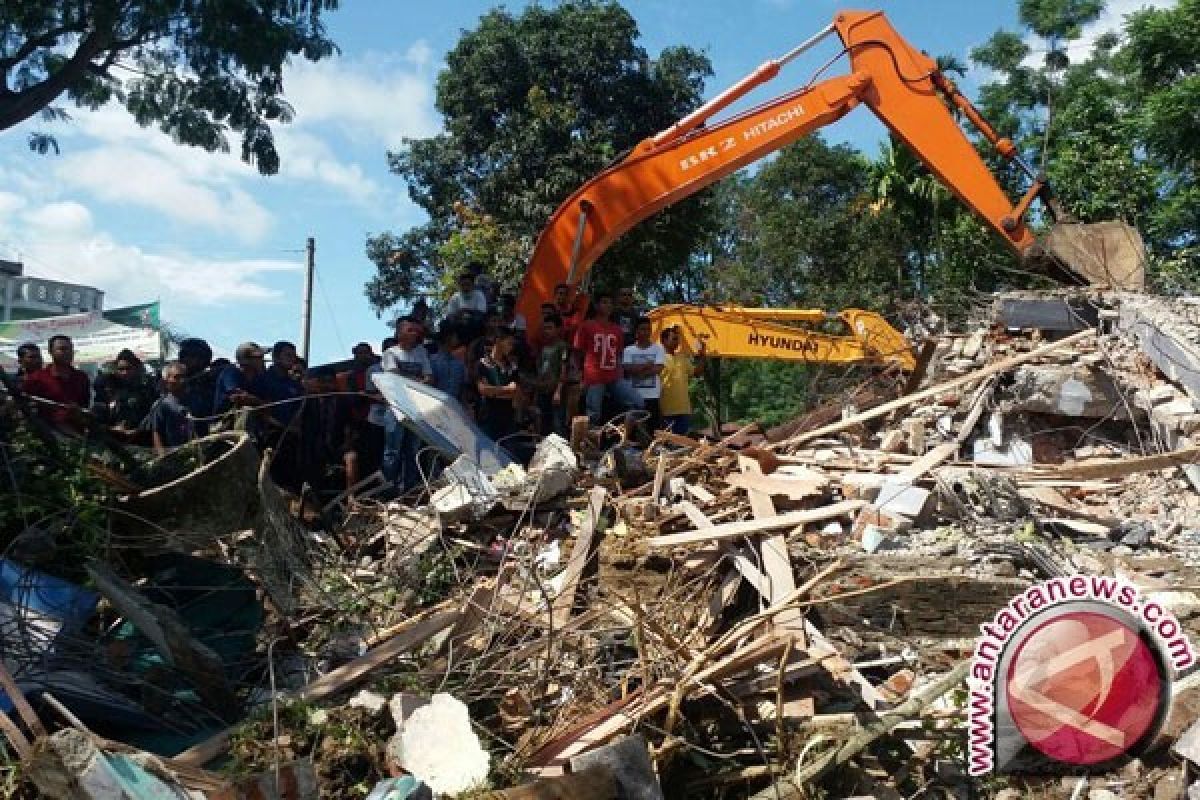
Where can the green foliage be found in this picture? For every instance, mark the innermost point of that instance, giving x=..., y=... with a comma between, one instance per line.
x=804, y=228
x=56, y=495
x=534, y=105
x=196, y=70
x=1058, y=19
x=1115, y=128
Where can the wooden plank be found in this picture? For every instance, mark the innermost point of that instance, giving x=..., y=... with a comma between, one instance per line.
x=1055, y=501
x=775, y=559
x=924, y=357
x=779, y=486
x=167, y=632
x=965, y=380
x=1101, y=469
x=728, y=530
x=420, y=629
x=593, y=783
x=15, y=696
x=700, y=493
x=747, y=568
x=615, y=719
x=944, y=452
x=934, y=458
x=660, y=470
x=583, y=551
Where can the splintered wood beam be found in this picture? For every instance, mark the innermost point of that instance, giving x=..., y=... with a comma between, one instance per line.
x=1102, y=469
x=583, y=551
x=729, y=530
x=970, y=378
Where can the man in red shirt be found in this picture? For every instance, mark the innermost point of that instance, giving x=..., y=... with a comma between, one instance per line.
x=61, y=383
x=598, y=343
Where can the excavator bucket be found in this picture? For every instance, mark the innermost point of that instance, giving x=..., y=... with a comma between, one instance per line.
x=1100, y=253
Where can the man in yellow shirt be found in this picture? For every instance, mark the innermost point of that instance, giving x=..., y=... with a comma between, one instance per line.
x=674, y=404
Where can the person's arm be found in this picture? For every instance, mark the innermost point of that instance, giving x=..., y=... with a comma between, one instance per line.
x=630, y=366
x=659, y=362
x=486, y=389
x=160, y=448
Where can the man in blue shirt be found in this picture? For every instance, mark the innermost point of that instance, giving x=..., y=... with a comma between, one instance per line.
x=277, y=387
x=234, y=386
x=449, y=372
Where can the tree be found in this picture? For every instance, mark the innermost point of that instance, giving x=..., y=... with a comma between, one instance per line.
x=533, y=106
x=1114, y=128
x=1162, y=59
x=806, y=229
x=197, y=70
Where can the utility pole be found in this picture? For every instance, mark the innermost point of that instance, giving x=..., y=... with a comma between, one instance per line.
x=310, y=264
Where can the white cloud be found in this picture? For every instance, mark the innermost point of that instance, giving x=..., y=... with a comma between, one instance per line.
x=67, y=219
x=124, y=174
x=377, y=98
x=10, y=203
x=306, y=157
x=60, y=241
x=1111, y=20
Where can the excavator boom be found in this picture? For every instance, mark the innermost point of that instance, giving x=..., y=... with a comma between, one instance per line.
x=736, y=332
x=901, y=85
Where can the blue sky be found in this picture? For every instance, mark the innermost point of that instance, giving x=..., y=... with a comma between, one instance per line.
x=125, y=209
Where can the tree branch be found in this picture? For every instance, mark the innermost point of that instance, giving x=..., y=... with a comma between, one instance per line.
x=16, y=107
x=47, y=39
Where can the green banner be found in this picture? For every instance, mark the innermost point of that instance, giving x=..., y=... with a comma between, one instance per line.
x=97, y=336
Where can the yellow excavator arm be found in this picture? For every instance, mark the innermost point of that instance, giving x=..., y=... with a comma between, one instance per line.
x=736, y=332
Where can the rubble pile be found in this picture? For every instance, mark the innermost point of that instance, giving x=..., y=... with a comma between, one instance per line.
x=746, y=615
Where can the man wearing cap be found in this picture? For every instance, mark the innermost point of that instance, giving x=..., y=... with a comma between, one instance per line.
x=234, y=384
x=467, y=299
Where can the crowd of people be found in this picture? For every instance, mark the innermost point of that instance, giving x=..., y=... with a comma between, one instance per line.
x=592, y=355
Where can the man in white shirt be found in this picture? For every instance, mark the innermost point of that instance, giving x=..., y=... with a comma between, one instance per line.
x=408, y=358
x=466, y=300
x=643, y=361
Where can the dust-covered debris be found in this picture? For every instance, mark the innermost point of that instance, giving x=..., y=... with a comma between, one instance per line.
x=764, y=613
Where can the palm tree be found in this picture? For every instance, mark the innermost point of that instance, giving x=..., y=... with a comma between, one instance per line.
x=901, y=182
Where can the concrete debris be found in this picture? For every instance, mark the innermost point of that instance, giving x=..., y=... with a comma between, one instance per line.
x=1188, y=745
x=436, y=744
x=749, y=613
x=368, y=701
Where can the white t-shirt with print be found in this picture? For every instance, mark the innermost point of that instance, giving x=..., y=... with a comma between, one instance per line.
x=648, y=386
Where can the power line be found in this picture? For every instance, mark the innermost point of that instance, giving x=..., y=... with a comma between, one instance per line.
x=337, y=332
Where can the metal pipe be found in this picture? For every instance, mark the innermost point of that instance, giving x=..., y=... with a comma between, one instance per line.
x=807, y=45
x=310, y=250
x=765, y=72
x=584, y=208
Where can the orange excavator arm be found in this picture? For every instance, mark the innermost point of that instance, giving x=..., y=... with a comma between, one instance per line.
x=734, y=332
x=902, y=86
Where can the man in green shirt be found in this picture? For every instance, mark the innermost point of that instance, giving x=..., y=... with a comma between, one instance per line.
x=551, y=374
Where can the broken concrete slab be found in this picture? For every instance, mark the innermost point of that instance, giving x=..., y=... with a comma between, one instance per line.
x=902, y=498
x=629, y=761
x=1164, y=337
x=1070, y=390
x=1188, y=745
x=437, y=745
x=1047, y=314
